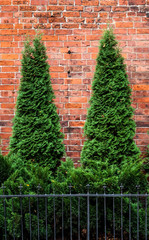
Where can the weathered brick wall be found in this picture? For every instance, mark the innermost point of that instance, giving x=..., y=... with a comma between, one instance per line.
x=72, y=29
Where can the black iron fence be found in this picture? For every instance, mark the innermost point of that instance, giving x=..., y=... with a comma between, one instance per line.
x=74, y=216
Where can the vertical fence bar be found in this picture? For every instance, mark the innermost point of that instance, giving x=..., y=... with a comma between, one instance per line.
x=138, y=212
x=105, y=214
x=78, y=218
x=30, y=220
x=121, y=187
x=129, y=218
x=62, y=218
x=4, y=204
x=113, y=217
x=96, y=217
x=88, y=213
x=38, y=188
x=46, y=218
x=70, y=213
x=54, y=215
x=146, y=217
x=13, y=221
x=20, y=187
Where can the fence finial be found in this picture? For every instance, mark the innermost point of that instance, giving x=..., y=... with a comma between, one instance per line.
x=70, y=187
x=121, y=187
x=20, y=187
x=38, y=188
x=3, y=187
x=137, y=187
x=88, y=187
x=104, y=187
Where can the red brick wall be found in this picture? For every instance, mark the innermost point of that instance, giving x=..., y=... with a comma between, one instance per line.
x=75, y=27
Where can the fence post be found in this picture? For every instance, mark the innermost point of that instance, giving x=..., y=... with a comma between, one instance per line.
x=54, y=214
x=70, y=213
x=4, y=203
x=146, y=217
x=38, y=188
x=105, y=214
x=113, y=217
x=20, y=187
x=121, y=187
x=88, y=213
x=137, y=211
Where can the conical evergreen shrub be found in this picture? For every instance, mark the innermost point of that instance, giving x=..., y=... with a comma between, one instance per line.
x=109, y=127
x=36, y=128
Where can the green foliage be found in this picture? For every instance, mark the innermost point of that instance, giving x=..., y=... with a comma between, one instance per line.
x=36, y=128
x=29, y=175
x=110, y=155
x=100, y=174
x=109, y=126
x=5, y=168
x=146, y=161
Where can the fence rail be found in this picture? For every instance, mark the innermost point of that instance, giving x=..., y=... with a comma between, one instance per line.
x=74, y=216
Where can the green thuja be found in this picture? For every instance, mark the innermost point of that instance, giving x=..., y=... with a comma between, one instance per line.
x=110, y=156
x=109, y=126
x=5, y=168
x=36, y=128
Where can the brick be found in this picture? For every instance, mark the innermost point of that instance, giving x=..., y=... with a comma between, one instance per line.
x=28, y=32
x=7, y=105
x=10, y=69
x=139, y=2
x=70, y=25
x=6, y=135
x=78, y=99
x=8, y=32
x=143, y=99
x=55, y=8
x=9, y=8
x=9, y=56
x=108, y=2
x=78, y=2
x=124, y=25
x=66, y=2
x=6, y=26
x=6, y=75
x=9, y=44
x=63, y=32
x=89, y=26
x=5, y=2
x=27, y=14
x=76, y=38
x=140, y=87
x=143, y=31
x=18, y=26
x=6, y=63
x=6, y=129
x=21, y=2
x=56, y=69
x=73, y=105
x=90, y=2
x=73, y=81
x=6, y=38
x=71, y=14
x=76, y=124
x=74, y=8
x=92, y=37
x=72, y=56
x=89, y=15
x=27, y=8
x=39, y=2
